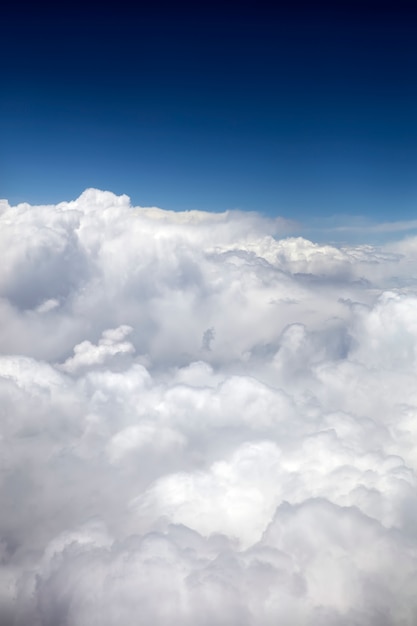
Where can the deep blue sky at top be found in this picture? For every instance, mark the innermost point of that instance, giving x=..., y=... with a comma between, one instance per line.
x=298, y=111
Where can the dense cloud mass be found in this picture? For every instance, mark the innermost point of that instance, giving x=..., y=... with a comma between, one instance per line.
x=203, y=422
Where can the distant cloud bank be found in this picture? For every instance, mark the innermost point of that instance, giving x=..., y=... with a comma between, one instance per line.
x=204, y=422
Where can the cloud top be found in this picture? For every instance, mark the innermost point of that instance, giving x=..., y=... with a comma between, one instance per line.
x=204, y=421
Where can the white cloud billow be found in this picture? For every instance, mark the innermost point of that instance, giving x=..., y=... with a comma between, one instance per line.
x=110, y=344
x=203, y=422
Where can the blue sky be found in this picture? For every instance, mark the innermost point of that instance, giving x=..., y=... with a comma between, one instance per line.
x=308, y=112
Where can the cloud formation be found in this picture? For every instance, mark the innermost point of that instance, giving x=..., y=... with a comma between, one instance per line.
x=203, y=422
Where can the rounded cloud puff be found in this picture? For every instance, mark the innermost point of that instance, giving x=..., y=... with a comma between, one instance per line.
x=203, y=421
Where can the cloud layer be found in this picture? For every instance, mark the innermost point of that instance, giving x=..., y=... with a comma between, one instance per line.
x=203, y=421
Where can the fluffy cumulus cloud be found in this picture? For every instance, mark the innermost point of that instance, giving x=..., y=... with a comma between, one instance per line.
x=203, y=422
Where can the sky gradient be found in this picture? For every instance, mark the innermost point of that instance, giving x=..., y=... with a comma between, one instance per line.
x=308, y=112
x=208, y=417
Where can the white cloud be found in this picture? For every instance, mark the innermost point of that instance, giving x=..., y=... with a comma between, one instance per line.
x=203, y=421
x=111, y=343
